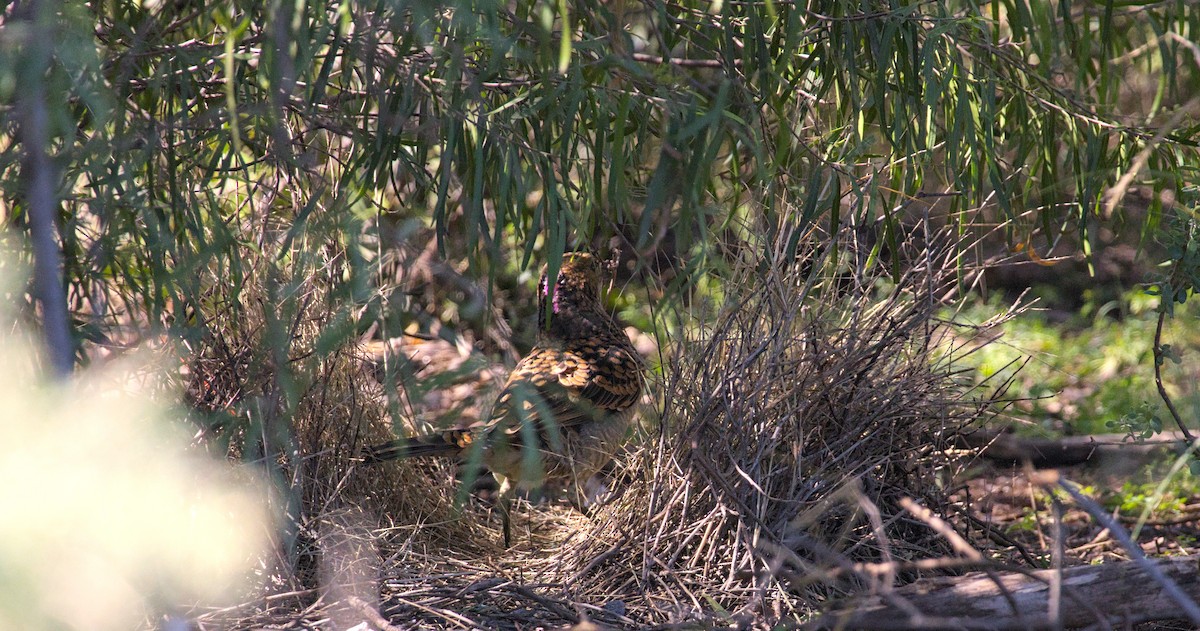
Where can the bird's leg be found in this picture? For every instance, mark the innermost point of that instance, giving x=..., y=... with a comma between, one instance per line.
x=504, y=502
x=506, y=517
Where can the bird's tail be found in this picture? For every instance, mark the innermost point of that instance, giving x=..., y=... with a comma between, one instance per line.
x=445, y=444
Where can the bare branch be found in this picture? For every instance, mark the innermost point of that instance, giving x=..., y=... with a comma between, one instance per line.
x=39, y=177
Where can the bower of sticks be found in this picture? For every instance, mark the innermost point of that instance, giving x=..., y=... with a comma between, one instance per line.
x=792, y=464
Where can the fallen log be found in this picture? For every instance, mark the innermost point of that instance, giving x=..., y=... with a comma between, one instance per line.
x=1044, y=453
x=1116, y=593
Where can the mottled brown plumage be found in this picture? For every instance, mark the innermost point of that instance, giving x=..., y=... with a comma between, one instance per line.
x=567, y=404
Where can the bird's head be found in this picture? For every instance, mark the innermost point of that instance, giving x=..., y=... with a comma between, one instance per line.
x=577, y=286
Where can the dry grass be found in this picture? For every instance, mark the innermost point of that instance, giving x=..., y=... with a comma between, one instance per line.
x=784, y=436
x=794, y=426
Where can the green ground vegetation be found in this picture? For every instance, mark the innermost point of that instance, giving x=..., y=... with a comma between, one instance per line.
x=1092, y=372
x=269, y=186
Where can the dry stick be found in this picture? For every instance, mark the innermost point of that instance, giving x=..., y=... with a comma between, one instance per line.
x=1158, y=362
x=370, y=615
x=995, y=535
x=445, y=614
x=940, y=526
x=550, y=604
x=1172, y=590
x=1054, y=604
x=682, y=62
x=876, y=520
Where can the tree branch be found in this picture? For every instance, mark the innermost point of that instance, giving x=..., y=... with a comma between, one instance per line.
x=38, y=174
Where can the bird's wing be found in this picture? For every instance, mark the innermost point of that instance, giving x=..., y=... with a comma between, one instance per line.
x=609, y=376
x=574, y=385
x=547, y=382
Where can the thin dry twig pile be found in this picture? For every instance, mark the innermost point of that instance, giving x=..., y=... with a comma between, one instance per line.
x=791, y=430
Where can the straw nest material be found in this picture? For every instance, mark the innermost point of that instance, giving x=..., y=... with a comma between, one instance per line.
x=769, y=468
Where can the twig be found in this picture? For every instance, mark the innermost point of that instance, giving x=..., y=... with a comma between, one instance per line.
x=445, y=614
x=995, y=535
x=940, y=526
x=557, y=607
x=1159, y=359
x=683, y=62
x=1054, y=603
x=370, y=614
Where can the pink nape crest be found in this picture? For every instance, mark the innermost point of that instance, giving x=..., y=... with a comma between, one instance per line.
x=545, y=290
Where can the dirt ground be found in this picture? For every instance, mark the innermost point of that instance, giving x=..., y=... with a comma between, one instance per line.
x=1008, y=516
